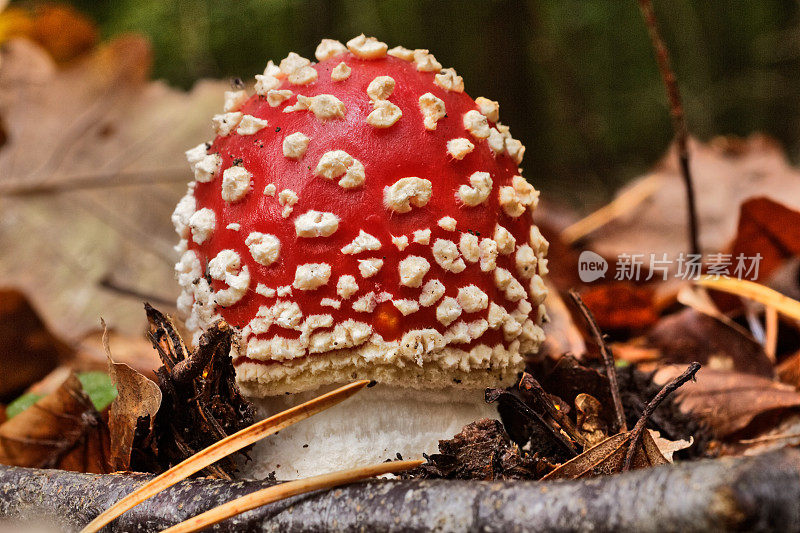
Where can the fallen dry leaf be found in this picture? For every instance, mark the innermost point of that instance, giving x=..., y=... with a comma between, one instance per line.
x=689, y=336
x=723, y=178
x=770, y=229
x=62, y=430
x=669, y=447
x=588, y=419
x=620, y=305
x=608, y=457
x=732, y=402
x=28, y=350
x=137, y=402
x=96, y=199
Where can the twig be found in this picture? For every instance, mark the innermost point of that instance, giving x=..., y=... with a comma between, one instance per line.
x=286, y=490
x=110, y=284
x=223, y=448
x=98, y=180
x=678, y=118
x=529, y=385
x=608, y=359
x=669, y=388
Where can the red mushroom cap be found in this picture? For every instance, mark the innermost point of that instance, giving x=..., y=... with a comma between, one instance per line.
x=363, y=217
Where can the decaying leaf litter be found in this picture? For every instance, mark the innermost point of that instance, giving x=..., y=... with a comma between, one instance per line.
x=565, y=419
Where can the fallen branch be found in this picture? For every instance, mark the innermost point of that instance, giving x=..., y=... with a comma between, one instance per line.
x=751, y=493
x=254, y=500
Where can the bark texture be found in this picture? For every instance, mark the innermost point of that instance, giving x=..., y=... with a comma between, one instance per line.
x=754, y=493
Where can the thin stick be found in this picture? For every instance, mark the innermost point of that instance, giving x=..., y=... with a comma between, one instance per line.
x=608, y=359
x=669, y=388
x=223, y=448
x=678, y=118
x=286, y=490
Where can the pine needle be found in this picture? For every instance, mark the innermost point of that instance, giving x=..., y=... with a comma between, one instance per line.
x=756, y=292
x=223, y=448
x=286, y=490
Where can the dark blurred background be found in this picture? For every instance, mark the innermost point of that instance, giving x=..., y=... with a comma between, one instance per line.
x=576, y=79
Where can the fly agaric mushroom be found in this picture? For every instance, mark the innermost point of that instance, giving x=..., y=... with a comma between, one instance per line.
x=363, y=218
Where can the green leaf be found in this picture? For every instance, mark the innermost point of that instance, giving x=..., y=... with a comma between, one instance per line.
x=99, y=387
x=22, y=403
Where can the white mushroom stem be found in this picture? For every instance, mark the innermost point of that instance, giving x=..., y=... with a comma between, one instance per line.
x=370, y=427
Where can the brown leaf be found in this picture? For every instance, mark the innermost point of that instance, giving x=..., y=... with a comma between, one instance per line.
x=589, y=422
x=689, y=336
x=770, y=229
x=482, y=450
x=62, y=430
x=733, y=402
x=138, y=400
x=608, y=457
x=620, y=305
x=108, y=147
x=723, y=178
x=669, y=447
x=28, y=351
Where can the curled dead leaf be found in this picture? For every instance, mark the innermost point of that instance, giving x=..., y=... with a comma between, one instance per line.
x=589, y=421
x=733, y=402
x=136, y=405
x=608, y=458
x=62, y=430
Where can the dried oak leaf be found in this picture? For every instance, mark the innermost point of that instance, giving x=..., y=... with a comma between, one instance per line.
x=723, y=178
x=62, y=430
x=689, y=336
x=89, y=176
x=733, y=402
x=608, y=457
